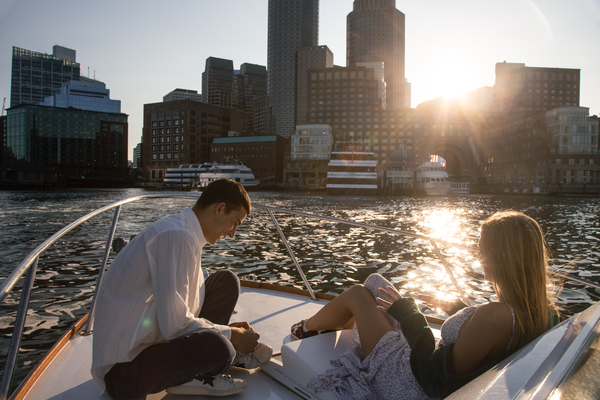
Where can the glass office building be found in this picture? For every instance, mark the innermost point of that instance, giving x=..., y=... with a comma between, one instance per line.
x=73, y=142
x=85, y=94
x=36, y=76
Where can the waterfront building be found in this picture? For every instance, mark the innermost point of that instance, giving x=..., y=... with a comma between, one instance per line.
x=306, y=58
x=342, y=97
x=73, y=142
x=353, y=109
x=262, y=153
x=36, y=76
x=180, y=132
x=310, y=150
x=531, y=90
x=84, y=94
x=376, y=33
x=3, y=132
x=182, y=94
x=292, y=24
x=555, y=147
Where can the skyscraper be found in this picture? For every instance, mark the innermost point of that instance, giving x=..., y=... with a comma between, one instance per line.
x=218, y=85
x=376, y=33
x=225, y=87
x=36, y=76
x=292, y=24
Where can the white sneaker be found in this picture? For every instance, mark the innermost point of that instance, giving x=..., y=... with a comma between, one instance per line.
x=220, y=385
x=261, y=355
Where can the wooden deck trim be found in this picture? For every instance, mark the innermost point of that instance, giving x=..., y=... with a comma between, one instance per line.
x=37, y=371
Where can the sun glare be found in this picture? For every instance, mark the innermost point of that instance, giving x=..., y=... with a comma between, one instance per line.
x=444, y=224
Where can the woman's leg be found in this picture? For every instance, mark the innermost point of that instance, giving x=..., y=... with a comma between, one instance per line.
x=358, y=303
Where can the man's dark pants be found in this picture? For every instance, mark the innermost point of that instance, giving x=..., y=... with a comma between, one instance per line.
x=205, y=353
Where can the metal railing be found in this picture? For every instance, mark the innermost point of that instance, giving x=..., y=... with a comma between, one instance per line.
x=29, y=266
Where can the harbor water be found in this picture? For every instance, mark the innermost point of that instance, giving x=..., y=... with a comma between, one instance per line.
x=333, y=256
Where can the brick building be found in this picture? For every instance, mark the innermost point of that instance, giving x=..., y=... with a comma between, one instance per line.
x=559, y=146
x=263, y=154
x=529, y=90
x=181, y=132
x=306, y=58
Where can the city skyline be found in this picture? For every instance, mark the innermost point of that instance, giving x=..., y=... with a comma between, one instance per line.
x=143, y=53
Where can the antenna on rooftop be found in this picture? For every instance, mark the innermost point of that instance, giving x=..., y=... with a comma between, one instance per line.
x=94, y=74
x=88, y=72
x=3, y=107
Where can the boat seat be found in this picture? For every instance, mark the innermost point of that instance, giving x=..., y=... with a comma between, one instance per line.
x=304, y=359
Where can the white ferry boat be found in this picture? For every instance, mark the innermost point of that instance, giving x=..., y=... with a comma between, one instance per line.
x=197, y=176
x=432, y=178
x=352, y=170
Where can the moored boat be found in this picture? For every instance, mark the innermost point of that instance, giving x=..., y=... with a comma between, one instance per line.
x=460, y=186
x=352, y=170
x=432, y=179
x=197, y=176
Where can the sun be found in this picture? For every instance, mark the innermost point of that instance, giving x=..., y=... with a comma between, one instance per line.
x=450, y=79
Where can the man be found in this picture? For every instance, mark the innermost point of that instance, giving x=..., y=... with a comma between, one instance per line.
x=158, y=324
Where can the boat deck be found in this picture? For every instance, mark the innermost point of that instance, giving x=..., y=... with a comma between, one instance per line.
x=270, y=313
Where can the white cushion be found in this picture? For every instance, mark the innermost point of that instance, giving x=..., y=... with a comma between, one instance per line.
x=305, y=359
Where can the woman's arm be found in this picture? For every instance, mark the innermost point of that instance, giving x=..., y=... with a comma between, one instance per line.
x=442, y=370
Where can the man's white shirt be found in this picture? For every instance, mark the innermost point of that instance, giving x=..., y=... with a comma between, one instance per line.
x=151, y=293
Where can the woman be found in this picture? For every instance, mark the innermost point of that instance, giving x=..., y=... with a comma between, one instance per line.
x=395, y=355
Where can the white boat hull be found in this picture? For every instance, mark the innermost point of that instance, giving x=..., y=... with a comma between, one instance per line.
x=436, y=188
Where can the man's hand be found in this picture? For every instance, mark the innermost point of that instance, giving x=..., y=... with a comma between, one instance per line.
x=243, y=338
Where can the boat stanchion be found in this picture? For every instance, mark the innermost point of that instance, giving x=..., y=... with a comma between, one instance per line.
x=289, y=249
x=445, y=264
x=15, y=341
x=111, y=234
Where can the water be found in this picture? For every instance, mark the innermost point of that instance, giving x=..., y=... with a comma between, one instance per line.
x=333, y=256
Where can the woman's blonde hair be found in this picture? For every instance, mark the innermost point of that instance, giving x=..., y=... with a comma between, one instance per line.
x=515, y=250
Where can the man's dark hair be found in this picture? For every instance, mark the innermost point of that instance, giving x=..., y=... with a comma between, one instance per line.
x=226, y=191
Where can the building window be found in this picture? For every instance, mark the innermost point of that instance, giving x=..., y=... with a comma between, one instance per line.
x=571, y=161
x=581, y=161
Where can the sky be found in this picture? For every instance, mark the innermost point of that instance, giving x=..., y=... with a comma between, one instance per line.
x=143, y=50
